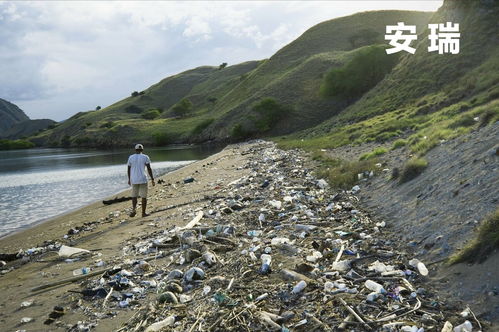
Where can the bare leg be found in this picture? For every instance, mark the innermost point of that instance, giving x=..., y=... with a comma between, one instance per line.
x=134, y=206
x=144, y=205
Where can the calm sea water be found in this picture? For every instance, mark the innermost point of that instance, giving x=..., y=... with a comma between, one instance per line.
x=37, y=184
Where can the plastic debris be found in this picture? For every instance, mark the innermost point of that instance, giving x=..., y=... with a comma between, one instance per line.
x=158, y=326
x=65, y=251
x=276, y=249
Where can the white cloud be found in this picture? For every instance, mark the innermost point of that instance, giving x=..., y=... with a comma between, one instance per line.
x=197, y=27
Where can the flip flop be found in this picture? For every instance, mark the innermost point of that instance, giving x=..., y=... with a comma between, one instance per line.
x=132, y=214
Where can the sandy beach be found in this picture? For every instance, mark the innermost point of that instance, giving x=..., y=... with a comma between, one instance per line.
x=105, y=240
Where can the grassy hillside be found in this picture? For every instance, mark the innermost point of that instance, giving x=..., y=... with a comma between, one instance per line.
x=427, y=97
x=220, y=100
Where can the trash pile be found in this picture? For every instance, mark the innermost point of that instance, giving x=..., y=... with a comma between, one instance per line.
x=280, y=251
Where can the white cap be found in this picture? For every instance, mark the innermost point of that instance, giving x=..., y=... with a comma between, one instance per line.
x=139, y=147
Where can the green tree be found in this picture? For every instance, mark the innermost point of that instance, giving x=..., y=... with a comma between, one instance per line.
x=135, y=94
x=150, y=114
x=270, y=112
x=182, y=108
x=98, y=108
x=222, y=66
x=364, y=71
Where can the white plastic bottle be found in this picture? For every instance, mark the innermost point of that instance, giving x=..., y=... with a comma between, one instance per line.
x=299, y=287
x=375, y=287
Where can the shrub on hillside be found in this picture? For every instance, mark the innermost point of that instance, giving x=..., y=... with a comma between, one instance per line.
x=269, y=113
x=134, y=109
x=162, y=138
x=108, y=124
x=135, y=94
x=239, y=132
x=182, y=108
x=202, y=126
x=150, y=114
x=65, y=141
x=370, y=155
x=484, y=243
x=412, y=169
x=489, y=116
x=343, y=174
x=363, y=72
x=463, y=121
x=399, y=143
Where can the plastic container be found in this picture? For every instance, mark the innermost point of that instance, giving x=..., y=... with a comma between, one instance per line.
x=266, y=260
x=464, y=327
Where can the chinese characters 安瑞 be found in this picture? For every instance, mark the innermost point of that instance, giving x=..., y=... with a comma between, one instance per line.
x=443, y=38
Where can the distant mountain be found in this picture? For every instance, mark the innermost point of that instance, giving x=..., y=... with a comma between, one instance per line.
x=223, y=99
x=10, y=114
x=14, y=123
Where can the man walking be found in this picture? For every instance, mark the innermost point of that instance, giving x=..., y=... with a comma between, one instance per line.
x=137, y=163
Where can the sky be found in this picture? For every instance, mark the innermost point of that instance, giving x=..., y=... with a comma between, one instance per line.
x=60, y=58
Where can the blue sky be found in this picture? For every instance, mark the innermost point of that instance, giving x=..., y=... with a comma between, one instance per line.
x=59, y=58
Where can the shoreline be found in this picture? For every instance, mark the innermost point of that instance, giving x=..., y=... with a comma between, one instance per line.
x=105, y=236
x=82, y=209
x=85, y=205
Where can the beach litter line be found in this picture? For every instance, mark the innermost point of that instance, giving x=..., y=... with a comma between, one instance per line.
x=280, y=251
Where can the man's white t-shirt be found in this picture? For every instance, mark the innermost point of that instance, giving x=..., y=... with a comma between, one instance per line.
x=137, y=162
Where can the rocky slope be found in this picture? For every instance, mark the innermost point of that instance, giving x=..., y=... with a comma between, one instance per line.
x=436, y=214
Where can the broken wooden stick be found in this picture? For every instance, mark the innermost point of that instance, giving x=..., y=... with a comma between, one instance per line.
x=350, y=309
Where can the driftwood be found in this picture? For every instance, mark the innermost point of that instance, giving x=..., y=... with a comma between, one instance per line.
x=350, y=309
x=116, y=200
x=8, y=257
x=68, y=280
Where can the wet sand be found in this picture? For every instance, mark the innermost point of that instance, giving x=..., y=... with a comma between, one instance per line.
x=106, y=242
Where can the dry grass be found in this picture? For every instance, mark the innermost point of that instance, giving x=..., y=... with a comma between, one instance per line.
x=412, y=169
x=484, y=243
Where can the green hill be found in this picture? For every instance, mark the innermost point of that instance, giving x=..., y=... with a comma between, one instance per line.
x=427, y=97
x=220, y=102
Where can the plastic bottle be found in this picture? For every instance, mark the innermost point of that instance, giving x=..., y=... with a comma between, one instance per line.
x=299, y=287
x=375, y=287
x=266, y=260
x=422, y=269
x=79, y=272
